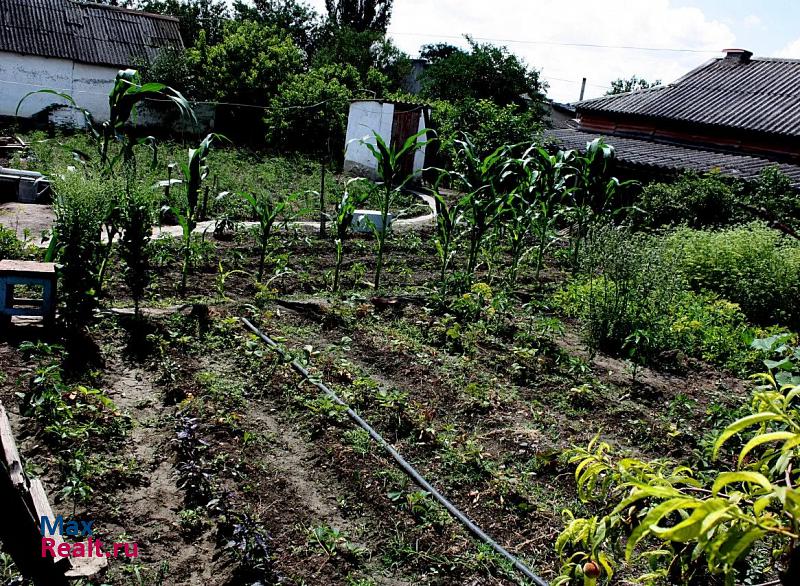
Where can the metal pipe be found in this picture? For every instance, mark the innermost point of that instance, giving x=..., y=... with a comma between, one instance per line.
x=406, y=467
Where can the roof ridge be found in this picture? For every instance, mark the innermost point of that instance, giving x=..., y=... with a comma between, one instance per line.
x=94, y=5
x=659, y=87
x=761, y=95
x=778, y=59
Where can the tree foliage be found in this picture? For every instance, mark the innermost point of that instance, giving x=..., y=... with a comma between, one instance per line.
x=484, y=72
x=194, y=15
x=622, y=86
x=309, y=113
x=250, y=63
x=360, y=15
x=678, y=525
x=298, y=19
x=364, y=50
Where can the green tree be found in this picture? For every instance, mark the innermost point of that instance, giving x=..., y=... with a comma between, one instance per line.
x=360, y=15
x=364, y=50
x=250, y=63
x=300, y=20
x=309, y=113
x=485, y=71
x=194, y=15
x=622, y=86
x=176, y=68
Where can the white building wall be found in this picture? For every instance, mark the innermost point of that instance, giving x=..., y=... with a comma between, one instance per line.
x=89, y=85
x=364, y=118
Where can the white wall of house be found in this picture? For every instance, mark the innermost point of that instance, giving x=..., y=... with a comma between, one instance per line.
x=89, y=85
x=364, y=118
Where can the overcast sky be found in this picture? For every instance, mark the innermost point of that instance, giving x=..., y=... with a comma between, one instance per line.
x=768, y=28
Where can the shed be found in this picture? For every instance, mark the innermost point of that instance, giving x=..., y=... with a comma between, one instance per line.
x=395, y=122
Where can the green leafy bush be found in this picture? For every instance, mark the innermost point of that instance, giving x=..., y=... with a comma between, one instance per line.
x=309, y=114
x=488, y=124
x=10, y=247
x=633, y=300
x=753, y=266
x=714, y=200
x=773, y=194
x=80, y=206
x=672, y=523
x=626, y=287
x=693, y=200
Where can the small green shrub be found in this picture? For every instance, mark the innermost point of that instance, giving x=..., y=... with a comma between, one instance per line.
x=632, y=300
x=10, y=247
x=693, y=200
x=626, y=288
x=80, y=206
x=753, y=266
x=490, y=126
x=713, y=200
x=773, y=193
x=134, y=250
x=731, y=521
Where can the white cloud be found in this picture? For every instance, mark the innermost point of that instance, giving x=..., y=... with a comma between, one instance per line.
x=792, y=50
x=656, y=23
x=753, y=21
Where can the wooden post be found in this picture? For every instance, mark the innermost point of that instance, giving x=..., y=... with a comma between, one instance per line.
x=583, y=89
x=322, y=200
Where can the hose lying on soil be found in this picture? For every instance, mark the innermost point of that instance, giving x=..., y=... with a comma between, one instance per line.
x=406, y=467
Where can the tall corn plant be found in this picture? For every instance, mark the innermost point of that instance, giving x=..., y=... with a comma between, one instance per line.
x=195, y=171
x=126, y=95
x=124, y=98
x=266, y=210
x=517, y=226
x=484, y=203
x=446, y=239
x=593, y=193
x=543, y=187
x=392, y=181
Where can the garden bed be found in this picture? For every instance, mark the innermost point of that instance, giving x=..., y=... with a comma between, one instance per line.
x=279, y=464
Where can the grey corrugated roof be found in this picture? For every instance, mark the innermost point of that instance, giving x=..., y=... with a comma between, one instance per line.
x=668, y=157
x=762, y=94
x=90, y=33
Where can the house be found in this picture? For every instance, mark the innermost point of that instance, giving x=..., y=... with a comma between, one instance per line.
x=413, y=81
x=558, y=115
x=74, y=48
x=394, y=122
x=735, y=114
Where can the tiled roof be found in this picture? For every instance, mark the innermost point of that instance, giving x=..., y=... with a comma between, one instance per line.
x=89, y=33
x=761, y=94
x=644, y=154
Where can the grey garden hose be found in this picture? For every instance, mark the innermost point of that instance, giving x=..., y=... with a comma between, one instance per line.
x=407, y=468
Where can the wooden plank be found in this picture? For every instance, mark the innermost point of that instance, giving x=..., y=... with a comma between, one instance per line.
x=86, y=567
x=74, y=567
x=41, y=508
x=9, y=452
x=27, y=266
